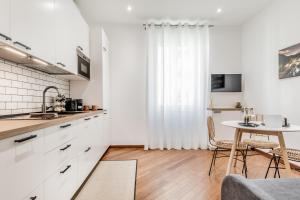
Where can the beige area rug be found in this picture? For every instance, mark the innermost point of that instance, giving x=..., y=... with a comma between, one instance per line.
x=112, y=180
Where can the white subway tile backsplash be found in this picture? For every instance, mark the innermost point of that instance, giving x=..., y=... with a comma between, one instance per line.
x=2, y=106
x=5, y=98
x=16, y=98
x=17, y=84
x=21, y=88
x=22, y=78
x=17, y=70
x=11, y=90
x=11, y=76
x=11, y=105
x=5, y=67
x=22, y=92
x=26, y=72
x=5, y=82
x=27, y=98
x=2, y=74
x=22, y=105
x=2, y=90
x=26, y=85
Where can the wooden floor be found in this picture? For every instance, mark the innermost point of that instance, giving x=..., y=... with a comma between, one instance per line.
x=176, y=175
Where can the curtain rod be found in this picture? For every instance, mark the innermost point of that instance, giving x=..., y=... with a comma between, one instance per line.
x=176, y=25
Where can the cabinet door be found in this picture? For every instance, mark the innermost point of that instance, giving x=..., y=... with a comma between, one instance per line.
x=105, y=72
x=61, y=185
x=83, y=35
x=4, y=19
x=32, y=25
x=23, y=168
x=66, y=14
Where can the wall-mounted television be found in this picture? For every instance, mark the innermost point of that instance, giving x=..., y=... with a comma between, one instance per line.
x=226, y=83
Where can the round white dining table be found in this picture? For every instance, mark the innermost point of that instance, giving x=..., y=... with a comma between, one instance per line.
x=263, y=130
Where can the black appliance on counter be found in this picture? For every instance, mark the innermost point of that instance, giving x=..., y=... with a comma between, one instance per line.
x=74, y=104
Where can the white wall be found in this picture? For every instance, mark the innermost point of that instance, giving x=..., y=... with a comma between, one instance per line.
x=128, y=83
x=275, y=28
x=225, y=58
x=128, y=78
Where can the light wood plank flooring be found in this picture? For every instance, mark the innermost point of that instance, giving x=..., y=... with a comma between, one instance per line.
x=176, y=175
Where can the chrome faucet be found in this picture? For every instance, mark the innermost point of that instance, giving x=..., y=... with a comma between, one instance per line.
x=44, y=97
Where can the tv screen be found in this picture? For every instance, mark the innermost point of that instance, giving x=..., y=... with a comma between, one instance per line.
x=226, y=83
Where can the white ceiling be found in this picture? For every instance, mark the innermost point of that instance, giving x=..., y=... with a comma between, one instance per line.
x=234, y=12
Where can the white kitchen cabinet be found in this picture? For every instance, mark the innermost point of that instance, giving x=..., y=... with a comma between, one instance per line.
x=22, y=165
x=5, y=20
x=65, y=14
x=96, y=91
x=32, y=23
x=83, y=35
x=61, y=185
x=37, y=194
x=52, y=163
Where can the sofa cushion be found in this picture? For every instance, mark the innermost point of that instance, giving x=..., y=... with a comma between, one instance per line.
x=235, y=187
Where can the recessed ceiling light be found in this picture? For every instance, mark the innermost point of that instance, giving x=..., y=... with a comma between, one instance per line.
x=219, y=10
x=129, y=8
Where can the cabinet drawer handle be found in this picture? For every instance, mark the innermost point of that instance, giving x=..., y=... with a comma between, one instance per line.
x=87, y=119
x=65, y=126
x=22, y=45
x=63, y=171
x=25, y=139
x=88, y=149
x=5, y=37
x=33, y=198
x=65, y=148
x=61, y=64
x=96, y=116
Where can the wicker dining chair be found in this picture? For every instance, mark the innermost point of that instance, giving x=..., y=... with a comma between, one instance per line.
x=293, y=155
x=262, y=143
x=224, y=145
x=255, y=143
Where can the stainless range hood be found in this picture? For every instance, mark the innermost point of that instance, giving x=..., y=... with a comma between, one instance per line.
x=11, y=53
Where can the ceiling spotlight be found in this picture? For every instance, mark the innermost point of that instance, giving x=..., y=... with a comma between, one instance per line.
x=219, y=10
x=129, y=8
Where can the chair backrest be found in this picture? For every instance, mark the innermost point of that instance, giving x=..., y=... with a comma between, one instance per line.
x=211, y=128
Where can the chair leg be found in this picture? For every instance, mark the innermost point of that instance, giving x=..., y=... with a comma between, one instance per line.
x=236, y=157
x=277, y=160
x=269, y=166
x=212, y=161
x=244, y=170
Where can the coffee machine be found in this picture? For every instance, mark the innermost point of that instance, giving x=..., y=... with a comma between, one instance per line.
x=74, y=104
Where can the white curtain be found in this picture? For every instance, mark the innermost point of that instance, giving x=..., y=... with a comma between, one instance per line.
x=177, y=87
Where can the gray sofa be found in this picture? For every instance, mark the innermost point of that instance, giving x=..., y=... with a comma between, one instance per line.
x=235, y=187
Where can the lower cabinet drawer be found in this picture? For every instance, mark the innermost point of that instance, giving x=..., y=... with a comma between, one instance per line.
x=23, y=170
x=61, y=185
x=58, y=156
x=37, y=194
x=85, y=164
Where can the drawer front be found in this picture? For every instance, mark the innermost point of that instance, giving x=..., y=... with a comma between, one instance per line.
x=26, y=163
x=56, y=157
x=61, y=185
x=58, y=135
x=37, y=194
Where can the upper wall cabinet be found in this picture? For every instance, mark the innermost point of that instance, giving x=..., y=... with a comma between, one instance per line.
x=32, y=27
x=5, y=20
x=65, y=13
x=50, y=30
